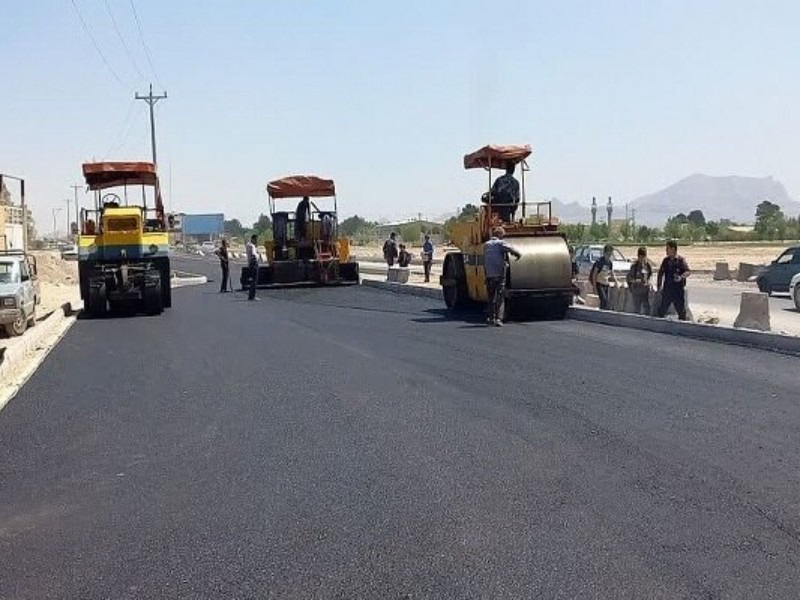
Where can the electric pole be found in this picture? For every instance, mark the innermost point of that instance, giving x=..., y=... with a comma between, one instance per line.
x=75, y=188
x=67, y=202
x=151, y=101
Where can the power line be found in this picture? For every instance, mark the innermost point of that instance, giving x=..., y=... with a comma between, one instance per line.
x=122, y=40
x=144, y=44
x=151, y=102
x=123, y=133
x=96, y=46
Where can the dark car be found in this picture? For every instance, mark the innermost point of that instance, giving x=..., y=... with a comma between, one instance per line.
x=775, y=278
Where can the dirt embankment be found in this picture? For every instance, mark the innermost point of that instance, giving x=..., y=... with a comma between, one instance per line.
x=58, y=281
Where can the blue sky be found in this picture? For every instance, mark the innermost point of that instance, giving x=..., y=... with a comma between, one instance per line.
x=616, y=98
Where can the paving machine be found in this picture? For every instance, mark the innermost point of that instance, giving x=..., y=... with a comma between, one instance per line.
x=540, y=283
x=123, y=242
x=305, y=249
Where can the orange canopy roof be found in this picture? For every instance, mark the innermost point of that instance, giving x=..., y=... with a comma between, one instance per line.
x=102, y=175
x=496, y=157
x=298, y=186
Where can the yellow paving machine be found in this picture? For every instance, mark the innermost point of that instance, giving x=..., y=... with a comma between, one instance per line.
x=123, y=242
x=540, y=283
x=306, y=249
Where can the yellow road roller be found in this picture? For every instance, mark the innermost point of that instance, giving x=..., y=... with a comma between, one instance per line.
x=540, y=282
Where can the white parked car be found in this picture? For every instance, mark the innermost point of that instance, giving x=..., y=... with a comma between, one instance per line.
x=208, y=246
x=794, y=290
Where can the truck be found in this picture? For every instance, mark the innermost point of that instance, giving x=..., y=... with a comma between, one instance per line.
x=19, y=291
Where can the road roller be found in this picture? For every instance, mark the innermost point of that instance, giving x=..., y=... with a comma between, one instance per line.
x=539, y=284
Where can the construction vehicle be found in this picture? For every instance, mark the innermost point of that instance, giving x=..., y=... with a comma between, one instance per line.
x=305, y=249
x=123, y=243
x=540, y=282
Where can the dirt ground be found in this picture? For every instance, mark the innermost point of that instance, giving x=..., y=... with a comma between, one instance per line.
x=58, y=280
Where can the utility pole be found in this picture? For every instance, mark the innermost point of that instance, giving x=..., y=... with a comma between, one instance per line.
x=75, y=188
x=151, y=101
x=55, y=229
x=67, y=202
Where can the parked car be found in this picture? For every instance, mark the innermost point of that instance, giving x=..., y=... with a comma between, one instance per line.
x=775, y=277
x=69, y=252
x=586, y=256
x=19, y=291
x=794, y=290
x=208, y=246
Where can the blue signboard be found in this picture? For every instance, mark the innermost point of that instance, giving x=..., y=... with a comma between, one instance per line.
x=211, y=224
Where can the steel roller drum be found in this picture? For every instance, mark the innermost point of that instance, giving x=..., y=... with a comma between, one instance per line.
x=545, y=263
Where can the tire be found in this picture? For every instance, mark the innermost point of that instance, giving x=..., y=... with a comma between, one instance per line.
x=32, y=316
x=455, y=296
x=17, y=327
x=166, y=282
x=154, y=299
x=97, y=303
x=797, y=296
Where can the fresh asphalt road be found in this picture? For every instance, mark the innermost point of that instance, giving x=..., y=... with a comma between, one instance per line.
x=352, y=443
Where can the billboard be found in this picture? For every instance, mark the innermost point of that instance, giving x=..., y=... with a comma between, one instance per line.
x=208, y=224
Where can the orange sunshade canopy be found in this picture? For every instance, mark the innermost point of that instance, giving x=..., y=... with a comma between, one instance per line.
x=102, y=175
x=496, y=157
x=298, y=186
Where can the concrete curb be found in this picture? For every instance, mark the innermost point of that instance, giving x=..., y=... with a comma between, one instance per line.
x=16, y=354
x=773, y=342
x=403, y=288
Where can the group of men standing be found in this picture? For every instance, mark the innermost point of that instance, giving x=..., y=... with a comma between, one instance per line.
x=253, y=259
x=394, y=253
x=671, y=281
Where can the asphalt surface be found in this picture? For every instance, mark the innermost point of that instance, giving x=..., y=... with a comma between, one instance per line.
x=351, y=443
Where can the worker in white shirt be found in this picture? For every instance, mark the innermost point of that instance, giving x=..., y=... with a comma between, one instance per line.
x=253, y=258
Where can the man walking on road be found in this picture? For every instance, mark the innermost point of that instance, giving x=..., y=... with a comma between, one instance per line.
x=390, y=249
x=602, y=275
x=252, y=263
x=427, y=257
x=222, y=254
x=495, y=254
x=672, y=282
x=639, y=283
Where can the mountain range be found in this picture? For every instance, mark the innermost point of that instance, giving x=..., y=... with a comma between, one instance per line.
x=728, y=197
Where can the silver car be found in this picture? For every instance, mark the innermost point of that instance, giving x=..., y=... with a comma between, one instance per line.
x=586, y=256
x=19, y=291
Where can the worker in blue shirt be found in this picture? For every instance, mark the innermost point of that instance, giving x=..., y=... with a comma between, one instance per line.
x=495, y=253
x=427, y=257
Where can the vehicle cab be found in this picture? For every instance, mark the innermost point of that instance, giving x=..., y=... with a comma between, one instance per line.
x=19, y=291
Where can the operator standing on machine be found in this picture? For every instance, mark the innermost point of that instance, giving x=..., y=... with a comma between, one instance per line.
x=495, y=254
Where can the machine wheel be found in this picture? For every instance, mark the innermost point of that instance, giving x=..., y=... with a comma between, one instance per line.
x=166, y=283
x=17, y=327
x=32, y=316
x=153, y=299
x=454, y=287
x=559, y=308
x=797, y=297
x=97, y=302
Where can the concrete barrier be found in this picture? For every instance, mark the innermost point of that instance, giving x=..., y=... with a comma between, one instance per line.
x=753, y=312
x=402, y=274
x=592, y=300
x=746, y=271
x=722, y=272
x=391, y=274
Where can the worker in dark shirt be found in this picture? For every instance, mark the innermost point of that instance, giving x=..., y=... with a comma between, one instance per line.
x=390, y=249
x=495, y=255
x=302, y=216
x=638, y=280
x=404, y=257
x=672, y=282
x=505, y=194
x=602, y=276
x=222, y=254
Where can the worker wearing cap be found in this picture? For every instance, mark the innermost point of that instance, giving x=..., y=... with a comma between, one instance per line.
x=253, y=258
x=495, y=255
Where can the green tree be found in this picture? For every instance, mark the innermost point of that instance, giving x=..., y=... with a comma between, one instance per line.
x=411, y=232
x=262, y=228
x=645, y=234
x=575, y=232
x=696, y=218
x=713, y=229
x=353, y=224
x=233, y=227
x=770, y=221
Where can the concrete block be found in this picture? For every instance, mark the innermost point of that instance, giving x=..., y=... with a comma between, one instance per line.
x=391, y=274
x=722, y=272
x=592, y=300
x=402, y=274
x=753, y=312
x=746, y=271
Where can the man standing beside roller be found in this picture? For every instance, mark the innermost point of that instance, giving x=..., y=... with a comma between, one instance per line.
x=495, y=255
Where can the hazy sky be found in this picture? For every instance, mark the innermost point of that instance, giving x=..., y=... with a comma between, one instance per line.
x=617, y=98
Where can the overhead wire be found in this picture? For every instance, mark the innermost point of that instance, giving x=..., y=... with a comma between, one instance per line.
x=144, y=44
x=123, y=132
x=97, y=46
x=122, y=40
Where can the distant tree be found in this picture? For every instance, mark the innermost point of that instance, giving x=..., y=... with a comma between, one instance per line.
x=351, y=225
x=233, y=227
x=677, y=227
x=469, y=210
x=770, y=221
x=411, y=232
x=575, y=232
x=598, y=232
x=645, y=234
x=262, y=228
x=696, y=218
x=712, y=229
